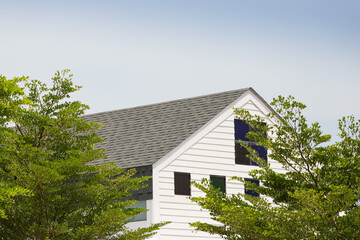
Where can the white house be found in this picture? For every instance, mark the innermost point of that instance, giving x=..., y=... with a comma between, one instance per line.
x=177, y=142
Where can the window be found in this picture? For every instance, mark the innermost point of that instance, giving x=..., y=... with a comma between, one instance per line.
x=241, y=155
x=182, y=183
x=248, y=191
x=241, y=129
x=218, y=182
x=141, y=216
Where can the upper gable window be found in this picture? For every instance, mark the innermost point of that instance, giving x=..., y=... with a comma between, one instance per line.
x=241, y=129
x=182, y=183
x=241, y=154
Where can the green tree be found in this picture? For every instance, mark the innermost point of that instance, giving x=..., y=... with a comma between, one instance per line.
x=48, y=188
x=10, y=95
x=317, y=197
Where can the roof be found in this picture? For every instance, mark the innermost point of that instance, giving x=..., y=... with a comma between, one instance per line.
x=140, y=136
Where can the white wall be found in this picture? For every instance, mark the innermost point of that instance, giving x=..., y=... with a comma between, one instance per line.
x=208, y=152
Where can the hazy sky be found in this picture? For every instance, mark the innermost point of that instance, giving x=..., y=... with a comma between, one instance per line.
x=129, y=53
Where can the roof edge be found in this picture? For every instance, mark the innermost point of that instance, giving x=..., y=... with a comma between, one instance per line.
x=265, y=102
x=175, y=100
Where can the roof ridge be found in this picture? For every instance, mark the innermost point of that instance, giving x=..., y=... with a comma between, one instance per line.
x=169, y=101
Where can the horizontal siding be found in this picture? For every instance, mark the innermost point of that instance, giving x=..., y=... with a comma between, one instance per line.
x=172, y=236
x=214, y=154
x=216, y=141
x=179, y=234
x=185, y=219
x=257, y=113
x=202, y=159
x=170, y=175
x=214, y=169
x=225, y=129
x=168, y=190
x=215, y=147
x=225, y=165
x=176, y=225
x=210, y=153
x=227, y=123
x=194, y=213
x=166, y=206
x=251, y=106
x=216, y=135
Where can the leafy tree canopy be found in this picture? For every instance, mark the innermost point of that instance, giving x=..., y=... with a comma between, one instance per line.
x=48, y=189
x=315, y=197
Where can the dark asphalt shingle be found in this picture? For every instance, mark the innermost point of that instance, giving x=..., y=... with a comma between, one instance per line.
x=140, y=136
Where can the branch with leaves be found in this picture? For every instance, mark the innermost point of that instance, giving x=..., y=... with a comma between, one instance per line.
x=49, y=187
x=317, y=197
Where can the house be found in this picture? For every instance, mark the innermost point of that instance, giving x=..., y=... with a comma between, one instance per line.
x=177, y=142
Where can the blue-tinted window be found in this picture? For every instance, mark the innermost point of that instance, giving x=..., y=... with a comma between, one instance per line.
x=241, y=154
x=261, y=151
x=241, y=129
x=250, y=192
x=141, y=216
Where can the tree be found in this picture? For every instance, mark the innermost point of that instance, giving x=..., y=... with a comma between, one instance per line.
x=317, y=197
x=46, y=150
x=9, y=94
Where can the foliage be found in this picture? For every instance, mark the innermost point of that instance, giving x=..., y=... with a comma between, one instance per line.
x=48, y=188
x=314, y=196
x=10, y=95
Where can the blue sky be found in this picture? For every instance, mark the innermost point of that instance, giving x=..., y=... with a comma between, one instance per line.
x=129, y=53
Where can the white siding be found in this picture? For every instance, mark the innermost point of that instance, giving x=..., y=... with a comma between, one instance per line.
x=211, y=154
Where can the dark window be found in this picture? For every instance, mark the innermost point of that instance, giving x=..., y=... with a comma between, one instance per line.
x=182, y=183
x=218, y=182
x=263, y=133
x=261, y=151
x=241, y=154
x=241, y=129
x=248, y=191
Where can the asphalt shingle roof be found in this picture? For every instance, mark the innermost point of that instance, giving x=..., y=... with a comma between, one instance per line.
x=140, y=136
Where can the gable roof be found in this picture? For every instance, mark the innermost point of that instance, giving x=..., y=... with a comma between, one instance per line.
x=140, y=136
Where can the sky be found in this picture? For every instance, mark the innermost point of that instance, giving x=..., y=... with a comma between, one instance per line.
x=131, y=53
